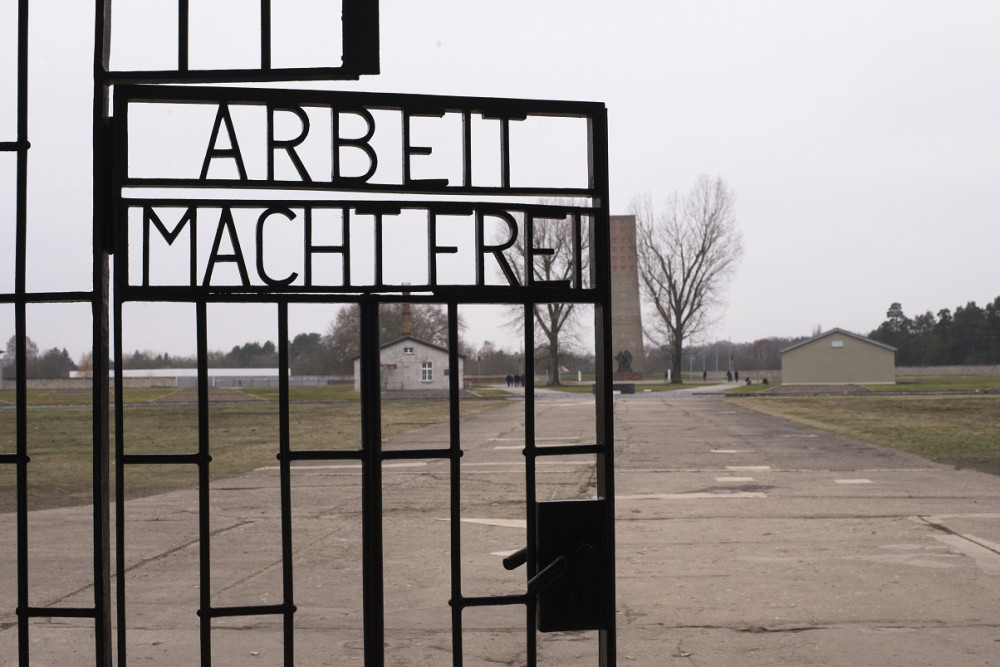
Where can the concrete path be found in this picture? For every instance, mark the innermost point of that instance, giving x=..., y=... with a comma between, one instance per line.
x=742, y=540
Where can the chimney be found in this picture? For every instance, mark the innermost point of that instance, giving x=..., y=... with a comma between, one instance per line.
x=407, y=321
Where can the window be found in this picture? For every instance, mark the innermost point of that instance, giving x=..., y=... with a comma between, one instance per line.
x=426, y=371
x=407, y=350
x=837, y=344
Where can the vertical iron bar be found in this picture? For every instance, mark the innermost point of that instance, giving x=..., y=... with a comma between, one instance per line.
x=20, y=331
x=265, y=35
x=204, y=457
x=505, y=153
x=100, y=349
x=119, y=471
x=284, y=466
x=183, y=29
x=604, y=399
x=577, y=251
x=528, y=383
x=455, y=479
x=371, y=486
x=467, y=149
x=117, y=150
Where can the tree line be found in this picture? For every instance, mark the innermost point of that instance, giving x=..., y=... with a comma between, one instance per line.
x=52, y=363
x=969, y=336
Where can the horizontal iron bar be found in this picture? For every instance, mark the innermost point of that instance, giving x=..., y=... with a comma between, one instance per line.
x=494, y=601
x=14, y=458
x=382, y=188
x=322, y=455
x=164, y=458
x=464, y=294
x=14, y=145
x=444, y=453
x=238, y=75
x=47, y=297
x=441, y=206
x=61, y=612
x=250, y=610
x=564, y=450
x=412, y=103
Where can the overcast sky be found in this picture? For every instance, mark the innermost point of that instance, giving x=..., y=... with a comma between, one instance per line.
x=862, y=139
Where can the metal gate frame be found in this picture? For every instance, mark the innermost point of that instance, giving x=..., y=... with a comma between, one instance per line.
x=110, y=236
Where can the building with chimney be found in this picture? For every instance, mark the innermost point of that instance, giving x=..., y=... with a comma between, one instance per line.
x=411, y=364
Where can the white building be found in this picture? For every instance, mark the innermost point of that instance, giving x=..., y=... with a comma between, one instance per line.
x=410, y=364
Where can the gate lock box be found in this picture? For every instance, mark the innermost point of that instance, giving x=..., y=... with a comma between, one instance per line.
x=570, y=584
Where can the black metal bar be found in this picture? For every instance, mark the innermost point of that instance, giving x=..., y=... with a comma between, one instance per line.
x=248, y=610
x=489, y=294
x=371, y=487
x=101, y=463
x=183, y=36
x=61, y=612
x=492, y=107
x=212, y=75
x=455, y=483
x=322, y=455
x=395, y=454
x=265, y=35
x=577, y=252
x=204, y=523
x=565, y=450
x=100, y=350
x=494, y=601
x=415, y=187
x=162, y=459
x=284, y=448
x=49, y=297
x=20, y=333
x=13, y=458
x=361, y=45
x=530, y=498
x=120, y=569
x=604, y=400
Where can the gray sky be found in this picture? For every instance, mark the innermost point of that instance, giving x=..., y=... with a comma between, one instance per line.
x=861, y=138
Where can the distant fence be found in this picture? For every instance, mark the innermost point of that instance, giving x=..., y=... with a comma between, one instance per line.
x=170, y=382
x=948, y=370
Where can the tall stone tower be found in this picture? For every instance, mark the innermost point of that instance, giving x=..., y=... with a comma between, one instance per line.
x=626, y=314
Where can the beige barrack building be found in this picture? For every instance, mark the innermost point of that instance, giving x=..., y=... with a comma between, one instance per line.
x=838, y=357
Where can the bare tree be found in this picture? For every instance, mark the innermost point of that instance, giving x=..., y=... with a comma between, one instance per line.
x=557, y=264
x=687, y=255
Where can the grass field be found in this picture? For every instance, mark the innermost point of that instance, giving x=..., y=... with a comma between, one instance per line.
x=961, y=429
x=243, y=436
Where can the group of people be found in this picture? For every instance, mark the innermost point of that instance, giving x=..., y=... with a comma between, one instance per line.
x=515, y=380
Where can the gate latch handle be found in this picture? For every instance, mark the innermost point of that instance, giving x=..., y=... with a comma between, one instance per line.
x=550, y=572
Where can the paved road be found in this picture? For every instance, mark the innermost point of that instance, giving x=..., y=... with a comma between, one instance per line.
x=742, y=540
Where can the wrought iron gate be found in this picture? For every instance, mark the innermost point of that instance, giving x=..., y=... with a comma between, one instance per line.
x=198, y=233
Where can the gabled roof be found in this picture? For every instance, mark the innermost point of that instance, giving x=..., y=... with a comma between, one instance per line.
x=415, y=340
x=843, y=332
